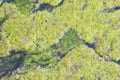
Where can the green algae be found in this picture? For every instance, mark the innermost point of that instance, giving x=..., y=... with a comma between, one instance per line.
x=46, y=59
x=50, y=56
x=25, y=6
x=42, y=29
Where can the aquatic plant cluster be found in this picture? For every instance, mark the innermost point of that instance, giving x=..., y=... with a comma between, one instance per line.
x=59, y=40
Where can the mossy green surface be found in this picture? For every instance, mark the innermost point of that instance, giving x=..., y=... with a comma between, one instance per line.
x=36, y=32
x=53, y=54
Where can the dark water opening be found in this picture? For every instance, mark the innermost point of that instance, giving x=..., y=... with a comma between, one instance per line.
x=8, y=1
x=90, y=45
x=44, y=6
x=47, y=6
x=117, y=8
x=117, y=61
x=109, y=10
x=10, y=63
x=59, y=54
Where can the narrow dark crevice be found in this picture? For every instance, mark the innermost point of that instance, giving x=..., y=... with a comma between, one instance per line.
x=92, y=45
x=117, y=61
x=3, y=1
x=47, y=6
x=110, y=10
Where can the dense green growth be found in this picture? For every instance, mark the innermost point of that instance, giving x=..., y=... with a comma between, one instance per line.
x=40, y=32
x=50, y=56
x=25, y=6
x=47, y=58
x=69, y=41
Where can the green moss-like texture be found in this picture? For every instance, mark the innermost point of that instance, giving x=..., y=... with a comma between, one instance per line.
x=36, y=32
x=53, y=54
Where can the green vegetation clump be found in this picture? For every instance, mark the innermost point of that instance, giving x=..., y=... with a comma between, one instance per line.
x=25, y=6
x=50, y=56
x=69, y=41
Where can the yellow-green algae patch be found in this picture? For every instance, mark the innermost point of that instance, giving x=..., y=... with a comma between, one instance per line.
x=39, y=30
x=81, y=62
x=92, y=25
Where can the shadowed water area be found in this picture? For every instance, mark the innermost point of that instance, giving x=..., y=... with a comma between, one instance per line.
x=8, y=1
x=47, y=6
x=109, y=10
x=10, y=63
